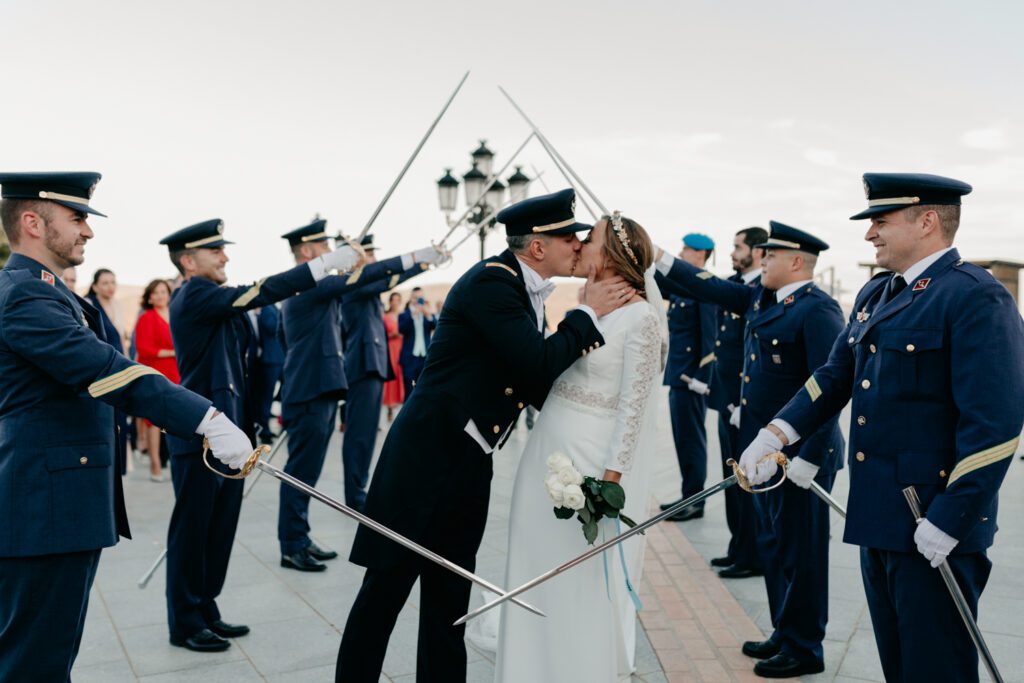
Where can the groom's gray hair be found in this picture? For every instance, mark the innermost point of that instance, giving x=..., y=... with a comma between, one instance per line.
x=518, y=244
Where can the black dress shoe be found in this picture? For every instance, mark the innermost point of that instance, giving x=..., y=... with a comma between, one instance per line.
x=722, y=561
x=761, y=649
x=302, y=561
x=687, y=514
x=226, y=630
x=318, y=553
x=204, y=641
x=739, y=572
x=784, y=666
x=666, y=506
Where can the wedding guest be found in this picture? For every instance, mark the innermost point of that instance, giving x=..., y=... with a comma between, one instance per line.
x=156, y=349
x=101, y=295
x=70, y=278
x=416, y=324
x=394, y=389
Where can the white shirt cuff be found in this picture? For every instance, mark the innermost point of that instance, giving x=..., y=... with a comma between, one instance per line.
x=317, y=268
x=206, y=420
x=664, y=264
x=408, y=261
x=475, y=434
x=786, y=429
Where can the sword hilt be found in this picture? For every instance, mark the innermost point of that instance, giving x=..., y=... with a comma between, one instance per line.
x=247, y=468
x=741, y=477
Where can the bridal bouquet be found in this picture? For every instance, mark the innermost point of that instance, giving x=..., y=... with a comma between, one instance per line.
x=589, y=498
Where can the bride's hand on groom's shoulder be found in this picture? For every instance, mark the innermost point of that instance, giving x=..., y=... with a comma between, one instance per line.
x=607, y=295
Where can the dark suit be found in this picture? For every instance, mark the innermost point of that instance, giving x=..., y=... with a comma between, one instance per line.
x=487, y=360
x=783, y=343
x=60, y=487
x=936, y=377
x=412, y=365
x=367, y=367
x=314, y=382
x=269, y=365
x=213, y=339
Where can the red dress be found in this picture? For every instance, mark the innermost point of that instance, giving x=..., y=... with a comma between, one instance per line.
x=152, y=335
x=394, y=391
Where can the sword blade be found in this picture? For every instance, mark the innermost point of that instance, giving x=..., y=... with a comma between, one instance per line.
x=910, y=493
x=408, y=163
x=596, y=550
x=386, y=532
x=827, y=497
x=474, y=231
x=282, y=437
x=144, y=581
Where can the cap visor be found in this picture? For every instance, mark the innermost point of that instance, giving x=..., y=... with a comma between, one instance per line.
x=84, y=208
x=876, y=210
x=568, y=230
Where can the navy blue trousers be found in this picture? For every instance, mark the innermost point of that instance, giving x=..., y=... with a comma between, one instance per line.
x=411, y=374
x=199, y=541
x=739, y=505
x=919, y=633
x=688, y=410
x=267, y=377
x=362, y=419
x=43, y=601
x=792, y=539
x=310, y=425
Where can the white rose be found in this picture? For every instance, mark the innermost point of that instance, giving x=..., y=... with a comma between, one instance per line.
x=558, y=461
x=555, y=489
x=568, y=476
x=573, y=497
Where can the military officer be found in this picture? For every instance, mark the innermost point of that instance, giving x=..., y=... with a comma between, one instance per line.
x=487, y=360
x=367, y=365
x=314, y=379
x=212, y=342
x=61, y=491
x=791, y=325
x=741, y=558
x=933, y=407
x=688, y=371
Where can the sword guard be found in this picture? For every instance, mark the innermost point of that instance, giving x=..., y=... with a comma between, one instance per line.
x=741, y=477
x=247, y=468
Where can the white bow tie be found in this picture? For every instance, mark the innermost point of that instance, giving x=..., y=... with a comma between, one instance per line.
x=543, y=290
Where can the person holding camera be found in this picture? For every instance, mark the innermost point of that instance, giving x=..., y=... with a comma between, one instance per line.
x=416, y=324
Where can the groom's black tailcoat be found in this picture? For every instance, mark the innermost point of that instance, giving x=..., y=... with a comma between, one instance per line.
x=486, y=362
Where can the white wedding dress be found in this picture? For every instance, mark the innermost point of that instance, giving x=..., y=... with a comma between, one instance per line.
x=600, y=413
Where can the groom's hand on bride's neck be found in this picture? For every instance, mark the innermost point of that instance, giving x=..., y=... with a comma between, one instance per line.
x=606, y=295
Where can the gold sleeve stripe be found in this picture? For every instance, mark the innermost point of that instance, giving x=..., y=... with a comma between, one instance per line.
x=394, y=281
x=984, y=458
x=119, y=380
x=705, y=275
x=354, y=277
x=707, y=359
x=249, y=295
x=495, y=264
x=813, y=390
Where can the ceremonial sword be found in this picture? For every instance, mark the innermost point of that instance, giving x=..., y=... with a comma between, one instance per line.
x=910, y=493
x=408, y=163
x=737, y=477
x=255, y=462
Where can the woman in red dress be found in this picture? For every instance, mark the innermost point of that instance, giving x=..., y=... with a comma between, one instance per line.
x=155, y=348
x=394, y=391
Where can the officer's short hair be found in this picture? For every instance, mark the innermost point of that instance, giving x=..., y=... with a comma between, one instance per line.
x=176, y=258
x=753, y=235
x=517, y=244
x=949, y=217
x=10, y=215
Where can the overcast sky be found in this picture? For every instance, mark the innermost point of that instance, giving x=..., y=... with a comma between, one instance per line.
x=706, y=116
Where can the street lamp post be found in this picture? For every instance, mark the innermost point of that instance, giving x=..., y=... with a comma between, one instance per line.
x=483, y=204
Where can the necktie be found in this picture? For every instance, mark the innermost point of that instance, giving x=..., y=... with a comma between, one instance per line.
x=896, y=285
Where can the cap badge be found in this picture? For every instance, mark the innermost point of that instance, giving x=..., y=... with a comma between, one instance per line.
x=921, y=284
x=47, y=277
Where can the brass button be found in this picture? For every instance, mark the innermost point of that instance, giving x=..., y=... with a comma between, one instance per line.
x=911, y=347
x=497, y=429
x=753, y=357
x=723, y=328
x=860, y=456
x=942, y=473
x=850, y=340
x=718, y=342
x=520, y=405
x=682, y=304
x=866, y=384
x=597, y=345
x=873, y=348
x=743, y=401
x=376, y=340
x=862, y=420
x=584, y=352
x=83, y=460
x=508, y=391
x=775, y=342
x=746, y=378
x=688, y=349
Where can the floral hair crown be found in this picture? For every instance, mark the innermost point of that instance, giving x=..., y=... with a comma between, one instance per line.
x=620, y=232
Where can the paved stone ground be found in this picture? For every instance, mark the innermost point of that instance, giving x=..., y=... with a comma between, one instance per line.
x=693, y=622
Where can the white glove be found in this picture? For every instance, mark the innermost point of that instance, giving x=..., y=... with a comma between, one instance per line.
x=342, y=259
x=932, y=542
x=430, y=255
x=802, y=472
x=734, y=416
x=765, y=443
x=229, y=444
x=698, y=387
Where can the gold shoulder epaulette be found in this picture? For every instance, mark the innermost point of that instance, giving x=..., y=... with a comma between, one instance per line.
x=705, y=275
x=495, y=264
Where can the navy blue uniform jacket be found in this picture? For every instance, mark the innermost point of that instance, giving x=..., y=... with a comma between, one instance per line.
x=60, y=488
x=691, y=336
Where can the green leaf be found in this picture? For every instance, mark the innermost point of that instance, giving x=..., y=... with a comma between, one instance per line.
x=592, y=485
x=590, y=532
x=608, y=511
x=627, y=521
x=564, y=512
x=614, y=494
x=590, y=505
x=585, y=515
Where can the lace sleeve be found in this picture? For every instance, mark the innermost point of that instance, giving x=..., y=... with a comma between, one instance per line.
x=639, y=374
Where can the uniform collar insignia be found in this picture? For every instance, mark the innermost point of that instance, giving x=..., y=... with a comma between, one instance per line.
x=48, y=277
x=863, y=315
x=922, y=284
x=757, y=305
x=788, y=300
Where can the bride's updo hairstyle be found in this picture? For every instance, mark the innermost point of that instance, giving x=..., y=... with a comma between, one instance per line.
x=628, y=249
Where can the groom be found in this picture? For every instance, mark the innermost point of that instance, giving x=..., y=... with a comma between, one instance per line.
x=488, y=359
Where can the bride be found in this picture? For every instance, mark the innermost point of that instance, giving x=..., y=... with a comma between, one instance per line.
x=600, y=413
